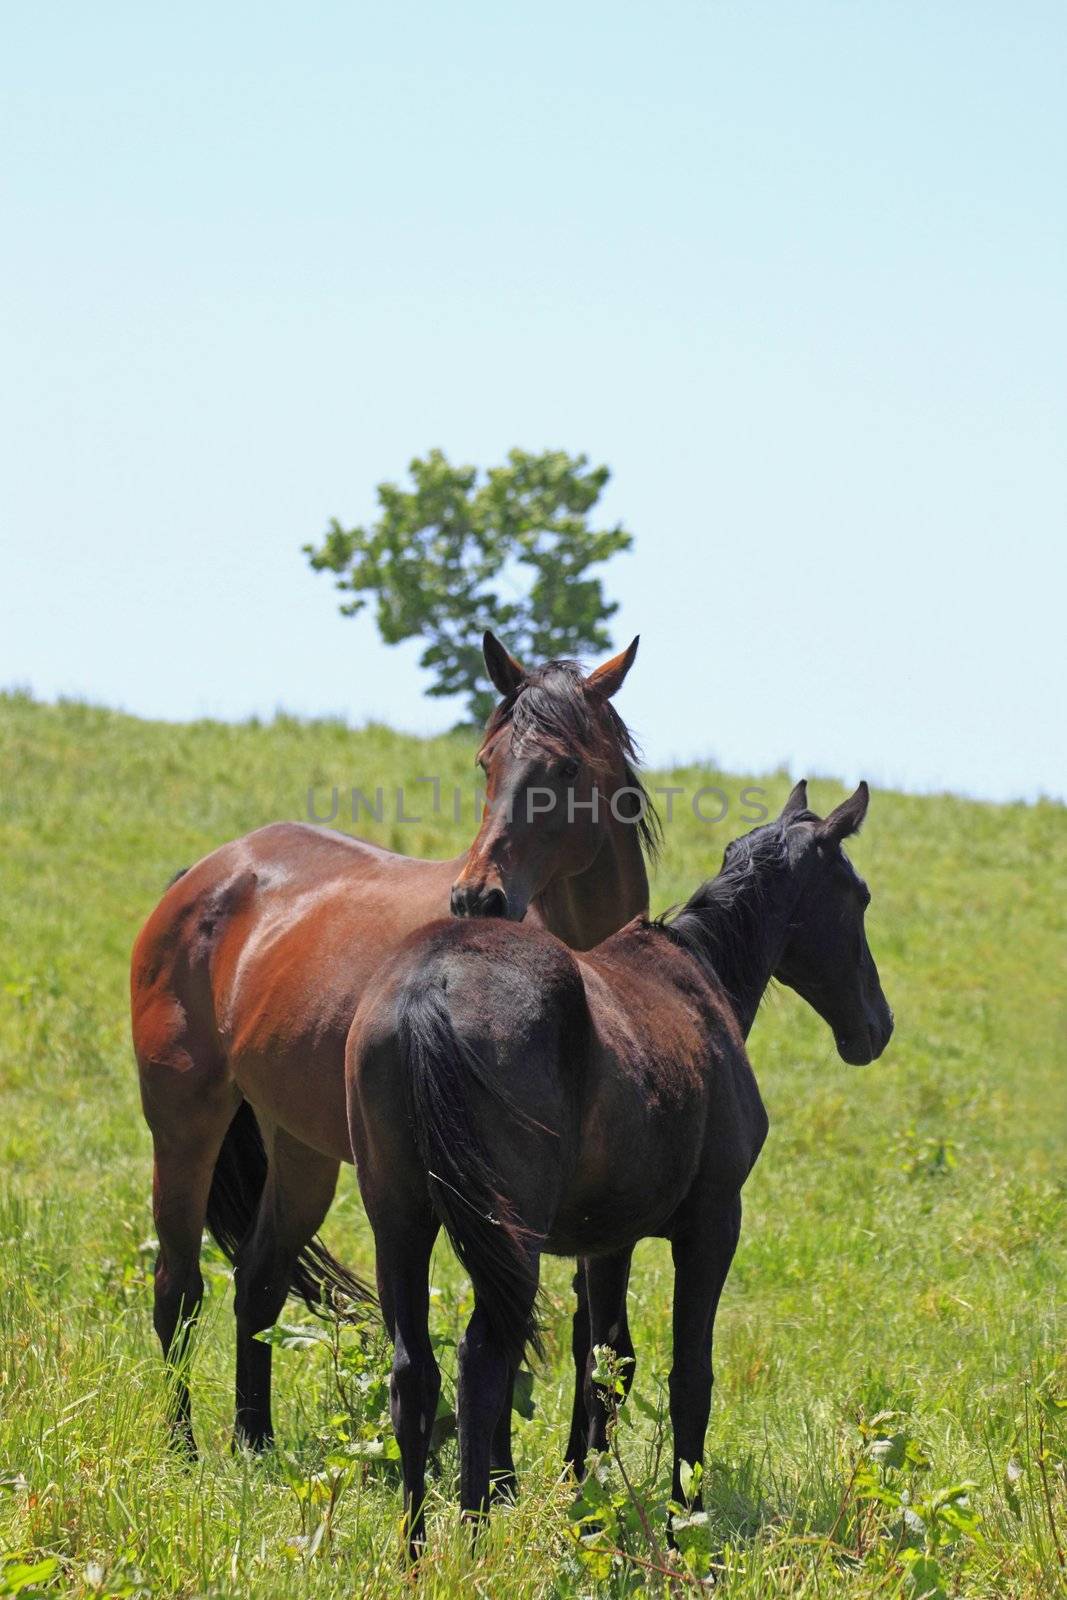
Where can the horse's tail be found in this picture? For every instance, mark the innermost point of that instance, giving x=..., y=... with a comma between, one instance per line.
x=465, y=1190
x=236, y=1187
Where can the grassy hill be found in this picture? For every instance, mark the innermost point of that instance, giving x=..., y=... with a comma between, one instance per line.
x=904, y=1247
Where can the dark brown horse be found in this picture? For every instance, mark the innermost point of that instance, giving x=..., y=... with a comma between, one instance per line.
x=246, y=976
x=533, y=1100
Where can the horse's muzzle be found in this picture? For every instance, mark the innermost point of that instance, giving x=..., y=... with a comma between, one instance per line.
x=478, y=900
x=859, y=1050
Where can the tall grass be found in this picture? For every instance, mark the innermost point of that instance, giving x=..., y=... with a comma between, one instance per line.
x=890, y=1354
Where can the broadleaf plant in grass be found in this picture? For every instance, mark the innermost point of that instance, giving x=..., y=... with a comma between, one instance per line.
x=458, y=550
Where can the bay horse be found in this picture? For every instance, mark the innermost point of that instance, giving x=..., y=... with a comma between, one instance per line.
x=532, y=1099
x=245, y=978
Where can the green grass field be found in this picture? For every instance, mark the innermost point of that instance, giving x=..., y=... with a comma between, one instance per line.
x=903, y=1253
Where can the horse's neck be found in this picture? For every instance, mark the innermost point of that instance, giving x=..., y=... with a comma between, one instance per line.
x=594, y=904
x=742, y=938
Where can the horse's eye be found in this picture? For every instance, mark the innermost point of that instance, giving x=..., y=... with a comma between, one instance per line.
x=568, y=770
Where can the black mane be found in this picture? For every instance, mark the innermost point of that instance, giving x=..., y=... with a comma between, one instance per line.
x=551, y=704
x=721, y=924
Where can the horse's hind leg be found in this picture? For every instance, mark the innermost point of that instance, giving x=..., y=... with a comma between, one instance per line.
x=504, y=1482
x=403, y=1254
x=296, y=1197
x=187, y=1133
x=486, y=1373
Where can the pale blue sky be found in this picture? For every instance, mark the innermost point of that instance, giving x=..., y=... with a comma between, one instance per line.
x=796, y=272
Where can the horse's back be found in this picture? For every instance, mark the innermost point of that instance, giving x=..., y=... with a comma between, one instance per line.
x=252, y=964
x=511, y=988
x=217, y=903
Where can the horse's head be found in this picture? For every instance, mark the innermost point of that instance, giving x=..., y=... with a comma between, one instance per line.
x=826, y=958
x=558, y=776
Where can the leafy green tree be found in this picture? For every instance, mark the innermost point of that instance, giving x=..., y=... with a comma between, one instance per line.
x=460, y=551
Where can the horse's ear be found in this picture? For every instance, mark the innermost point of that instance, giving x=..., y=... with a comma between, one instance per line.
x=797, y=802
x=505, y=672
x=609, y=679
x=848, y=816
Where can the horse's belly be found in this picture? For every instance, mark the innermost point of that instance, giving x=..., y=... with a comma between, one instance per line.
x=302, y=1092
x=624, y=1196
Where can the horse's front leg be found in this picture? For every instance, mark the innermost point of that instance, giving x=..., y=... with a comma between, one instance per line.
x=607, y=1280
x=581, y=1344
x=703, y=1249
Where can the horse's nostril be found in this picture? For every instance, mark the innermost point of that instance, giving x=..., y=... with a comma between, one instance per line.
x=468, y=902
